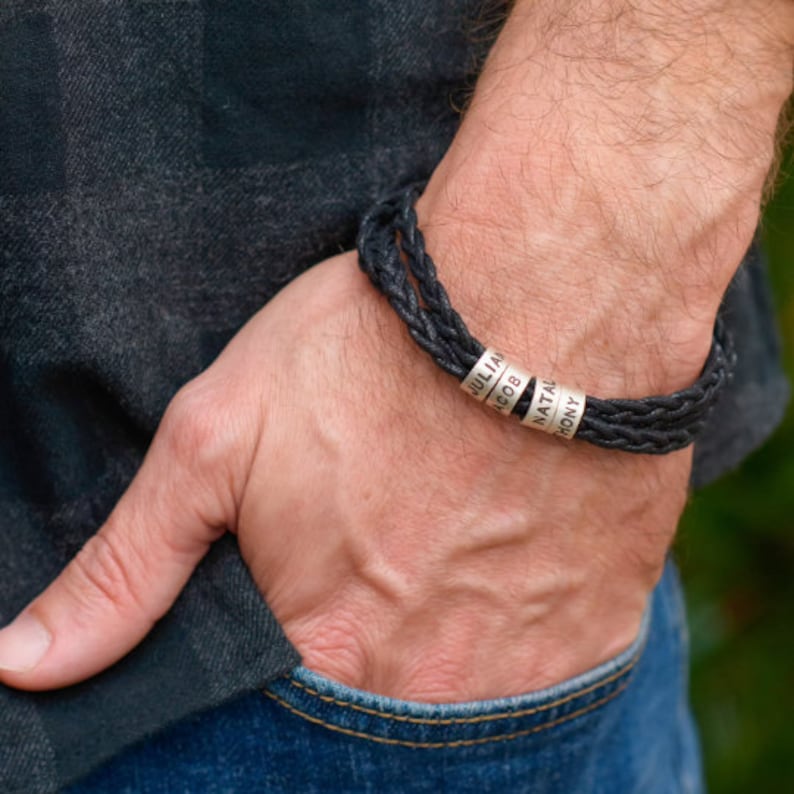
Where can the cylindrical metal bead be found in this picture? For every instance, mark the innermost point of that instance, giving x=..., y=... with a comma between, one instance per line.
x=570, y=411
x=543, y=406
x=508, y=390
x=484, y=375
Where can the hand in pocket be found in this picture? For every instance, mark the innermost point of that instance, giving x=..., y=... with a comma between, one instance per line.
x=410, y=543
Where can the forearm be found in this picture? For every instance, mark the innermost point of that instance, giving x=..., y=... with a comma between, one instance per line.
x=606, y=182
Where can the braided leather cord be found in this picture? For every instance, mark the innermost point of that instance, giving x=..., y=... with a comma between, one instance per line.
x=389, y=235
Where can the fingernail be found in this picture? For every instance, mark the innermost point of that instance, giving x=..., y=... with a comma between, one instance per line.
x=23, y=644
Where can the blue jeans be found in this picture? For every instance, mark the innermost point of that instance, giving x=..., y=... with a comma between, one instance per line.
x=623, y=727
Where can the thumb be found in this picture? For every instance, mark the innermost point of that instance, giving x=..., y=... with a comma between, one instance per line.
x=129, y=574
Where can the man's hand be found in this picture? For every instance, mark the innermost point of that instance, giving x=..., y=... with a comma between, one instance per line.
x=408, y=541
x=593, y=207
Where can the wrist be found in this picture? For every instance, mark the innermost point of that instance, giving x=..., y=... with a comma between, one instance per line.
x=591, y=219
x=570, y=308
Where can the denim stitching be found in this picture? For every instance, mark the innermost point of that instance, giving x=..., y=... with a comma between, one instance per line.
x=470, y=720
x=457, y=743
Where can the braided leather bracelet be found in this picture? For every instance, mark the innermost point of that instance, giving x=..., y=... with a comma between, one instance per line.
x=389, y=235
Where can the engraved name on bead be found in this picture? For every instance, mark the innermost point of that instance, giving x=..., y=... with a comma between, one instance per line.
x=508, y=390
x=543, y=407
x=569, y=413
x=484, y=375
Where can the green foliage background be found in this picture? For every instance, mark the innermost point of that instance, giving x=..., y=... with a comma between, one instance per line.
x=736, y=550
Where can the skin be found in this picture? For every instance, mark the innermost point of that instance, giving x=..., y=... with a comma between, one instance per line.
x=601, y=192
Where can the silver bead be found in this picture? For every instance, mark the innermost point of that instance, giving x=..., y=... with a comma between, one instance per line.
x=484, y=375
x=543, y=406
x=570, y=411
x=508, y=390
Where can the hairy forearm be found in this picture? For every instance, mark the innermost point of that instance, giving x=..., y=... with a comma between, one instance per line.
x=607, y=179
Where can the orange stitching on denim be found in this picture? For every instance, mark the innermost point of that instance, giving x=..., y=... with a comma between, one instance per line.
x=457, y=743
x=470, y=720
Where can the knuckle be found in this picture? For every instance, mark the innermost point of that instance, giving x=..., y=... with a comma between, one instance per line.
x=196, y=426
x=106, y=571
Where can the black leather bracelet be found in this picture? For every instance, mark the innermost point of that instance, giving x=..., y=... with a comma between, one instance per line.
x=389, y=237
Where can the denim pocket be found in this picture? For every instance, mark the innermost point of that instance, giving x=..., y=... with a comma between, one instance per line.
x=364, y=715
x=620, y=728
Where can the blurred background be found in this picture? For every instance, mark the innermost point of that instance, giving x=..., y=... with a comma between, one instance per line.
x=736, y=551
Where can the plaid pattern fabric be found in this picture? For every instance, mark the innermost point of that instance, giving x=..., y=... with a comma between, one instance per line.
x=165, y=167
